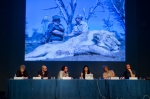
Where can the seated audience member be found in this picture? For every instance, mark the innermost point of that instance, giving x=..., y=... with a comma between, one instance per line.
x=22, y=72
x=128, y=72
x=63, y=72
x=43, y=73
x=85, y=71
x=107, y=73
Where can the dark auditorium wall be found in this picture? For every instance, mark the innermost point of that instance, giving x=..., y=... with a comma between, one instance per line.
x=13, y=39
x=143, y=39
x=5, y=25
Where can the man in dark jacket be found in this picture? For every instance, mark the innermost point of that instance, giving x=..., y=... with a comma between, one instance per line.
x=55, y=30
x=43, y=73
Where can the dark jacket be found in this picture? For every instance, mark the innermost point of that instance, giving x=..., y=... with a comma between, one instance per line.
x=45, y=74
x=126, y=74
x=52, y=36
x=52, y=27
x=19, y=74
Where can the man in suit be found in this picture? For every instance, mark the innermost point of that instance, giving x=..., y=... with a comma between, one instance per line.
x=43, y=73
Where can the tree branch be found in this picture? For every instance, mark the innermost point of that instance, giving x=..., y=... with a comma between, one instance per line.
x=51, y=8
x=62, y=5
x=91, y=10
x=84, y=13
x=73, y=5
x=62, y=9
x=61, y=15
x=117, y=11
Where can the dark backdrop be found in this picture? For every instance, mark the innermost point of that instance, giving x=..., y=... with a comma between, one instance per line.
x=12, y=39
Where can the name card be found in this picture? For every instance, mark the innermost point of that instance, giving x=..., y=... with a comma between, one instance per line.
x=66, y=78
x=36, y=77
x=18, y=77
x=133, y=78
x=114, y=78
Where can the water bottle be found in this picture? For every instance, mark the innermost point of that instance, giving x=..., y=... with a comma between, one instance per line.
x=108, y=76
x=67, y=74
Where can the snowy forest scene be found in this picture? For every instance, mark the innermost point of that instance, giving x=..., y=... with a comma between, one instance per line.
x=75, y=30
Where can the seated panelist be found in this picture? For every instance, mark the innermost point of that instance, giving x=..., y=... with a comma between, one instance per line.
x=107, y=73
x=129, y=72
x=63, y=72
x=22, y=72
x=43, y=73
x=85, y=71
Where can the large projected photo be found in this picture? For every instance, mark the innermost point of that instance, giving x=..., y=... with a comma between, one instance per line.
x=75, y=30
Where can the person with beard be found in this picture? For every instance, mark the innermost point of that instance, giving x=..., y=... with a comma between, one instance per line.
x=129, y=72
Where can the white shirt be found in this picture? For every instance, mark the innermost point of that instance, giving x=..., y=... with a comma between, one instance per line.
x=108, y=74
x=82, y=27
x=60, y=74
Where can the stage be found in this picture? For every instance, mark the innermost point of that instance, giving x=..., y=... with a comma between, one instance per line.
x=77, y=89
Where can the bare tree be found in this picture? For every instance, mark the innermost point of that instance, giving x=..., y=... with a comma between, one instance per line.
x=117, y=7
x=68, y=17
x=92, y=11
x=108, y=24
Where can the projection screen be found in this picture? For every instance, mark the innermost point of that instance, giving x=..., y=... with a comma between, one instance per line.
x=75, y=30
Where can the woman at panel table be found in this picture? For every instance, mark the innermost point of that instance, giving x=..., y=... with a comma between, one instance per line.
x=22, y=72
x=129, y=72
x=63, y=72
x=107, y=73
x=85, y=71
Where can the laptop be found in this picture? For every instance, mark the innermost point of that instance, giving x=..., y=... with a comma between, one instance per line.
x=89, y=76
